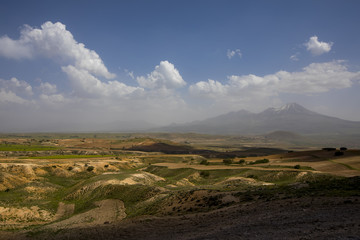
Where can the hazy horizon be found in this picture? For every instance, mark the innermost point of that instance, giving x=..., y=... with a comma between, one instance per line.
x=75, y=66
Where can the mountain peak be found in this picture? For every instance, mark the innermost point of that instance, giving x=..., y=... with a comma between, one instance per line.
x=288, y=108
x=292, y=107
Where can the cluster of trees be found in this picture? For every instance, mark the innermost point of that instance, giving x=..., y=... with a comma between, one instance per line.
x=339, y=152
x=242, y=161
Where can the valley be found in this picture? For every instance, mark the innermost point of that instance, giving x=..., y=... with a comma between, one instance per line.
x=168, y=185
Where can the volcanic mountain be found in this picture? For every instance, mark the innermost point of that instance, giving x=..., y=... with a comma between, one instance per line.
x=291, y=117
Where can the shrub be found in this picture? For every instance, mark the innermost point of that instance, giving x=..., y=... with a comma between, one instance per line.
x=204, y=174
x=297, y=166
x=227, y=161
x=260, y=161
x=204, y=162
x=241, y=161
x=70, y=168
x=90, y=168
x=343, y=149
x=263, y=160
x=252, y=176
x=106, y=166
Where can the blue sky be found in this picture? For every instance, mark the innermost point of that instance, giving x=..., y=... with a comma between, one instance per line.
x=79, y=65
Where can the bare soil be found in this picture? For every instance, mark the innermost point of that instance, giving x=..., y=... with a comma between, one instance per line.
x=106, y=211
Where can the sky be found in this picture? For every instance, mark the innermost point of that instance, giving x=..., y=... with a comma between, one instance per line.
x=97, y=65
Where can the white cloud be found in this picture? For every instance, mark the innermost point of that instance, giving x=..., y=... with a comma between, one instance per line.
x=10, y=97
x=231, y=53
x=130, y=73
x=295, y=57
x=211, y=88
x=16, y=86
x=48, y=88
x=165, y=75
x=315, y=78
x=317, y=48
x=87, y=85
x=53, y=41
x=16, y=49
x=52, y=98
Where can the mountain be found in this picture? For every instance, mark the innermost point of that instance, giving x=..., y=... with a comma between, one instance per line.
x=291, y=118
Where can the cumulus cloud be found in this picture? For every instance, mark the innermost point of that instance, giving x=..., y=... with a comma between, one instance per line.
x=165, y=75
x=52, y=98
x=7, y=96
x=314, y=78
x=317, y=78
x=53, y=41
x=82, y=66
x=316, y=47
x=16, y=49
x=87, y=85
x=232, y=53
x=211, y=88
x=16, y=86
x=47, y=88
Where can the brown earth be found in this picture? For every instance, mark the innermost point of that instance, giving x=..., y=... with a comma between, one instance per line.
x=106, y=211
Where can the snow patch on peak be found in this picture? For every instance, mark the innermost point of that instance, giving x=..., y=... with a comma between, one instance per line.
x=291, y=107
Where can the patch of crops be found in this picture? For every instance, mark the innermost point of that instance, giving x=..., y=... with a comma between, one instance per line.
x=24, y=148
x=70, y=156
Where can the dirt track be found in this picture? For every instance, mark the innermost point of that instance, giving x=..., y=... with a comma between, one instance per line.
x=222, y=167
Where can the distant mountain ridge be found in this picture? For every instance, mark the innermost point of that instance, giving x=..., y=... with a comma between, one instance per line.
x=291, y=117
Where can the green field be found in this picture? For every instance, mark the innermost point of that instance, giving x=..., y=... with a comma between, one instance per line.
x=69, y=156
x=25, y=148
